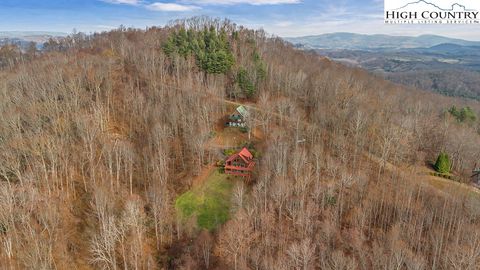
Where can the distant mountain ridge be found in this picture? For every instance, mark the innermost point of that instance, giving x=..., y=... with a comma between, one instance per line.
x=24, y=38
x=20, y=34
x=444, y=65
x=353, y=41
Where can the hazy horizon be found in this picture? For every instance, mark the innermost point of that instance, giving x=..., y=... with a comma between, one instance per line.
x=285, y=18
x=57, y=33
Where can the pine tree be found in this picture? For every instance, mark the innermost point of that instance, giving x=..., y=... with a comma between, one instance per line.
x=443, y=163
x=245, y=83
x=169, y=46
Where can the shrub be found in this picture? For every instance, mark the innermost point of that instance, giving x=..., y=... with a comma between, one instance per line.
x=464, y=115
x=249, y=145
x=331, y=200
x=255, y=153
x=3, y=229
x=229, y=152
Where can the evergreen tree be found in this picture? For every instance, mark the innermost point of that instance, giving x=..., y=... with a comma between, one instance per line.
x=464, y=115
x=467, y=115
x=454, y=112
x=260, y=67
x=211, y=49
x=213, y=53
x=245, y=83
x=442, y=165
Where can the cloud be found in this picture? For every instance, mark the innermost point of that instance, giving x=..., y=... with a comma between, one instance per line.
x=126, y=2
x=157, y=6
x=283, y=24
x=106, y=27
x=171, y=7
x=248, y=2
x=190, y=5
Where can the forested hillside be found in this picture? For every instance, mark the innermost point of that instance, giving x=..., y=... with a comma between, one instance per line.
x=446, y=69
x=433, y=63
x=100, y=136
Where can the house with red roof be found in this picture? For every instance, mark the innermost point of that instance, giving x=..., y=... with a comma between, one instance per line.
x=240, y=164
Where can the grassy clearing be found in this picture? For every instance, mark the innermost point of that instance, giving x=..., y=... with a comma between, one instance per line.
x=230, y=137
x=453, y=187
x=209, y=203
x=447, y=186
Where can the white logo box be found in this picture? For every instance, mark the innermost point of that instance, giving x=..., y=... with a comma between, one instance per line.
x=432, y=11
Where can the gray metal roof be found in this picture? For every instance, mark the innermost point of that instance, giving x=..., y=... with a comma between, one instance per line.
x=243, y=111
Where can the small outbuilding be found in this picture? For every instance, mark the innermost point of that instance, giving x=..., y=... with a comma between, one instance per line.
x=240, y=164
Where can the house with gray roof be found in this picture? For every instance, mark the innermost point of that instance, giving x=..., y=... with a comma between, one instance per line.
x=238, y=118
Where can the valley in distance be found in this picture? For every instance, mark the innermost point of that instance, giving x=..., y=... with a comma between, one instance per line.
x=443, y=65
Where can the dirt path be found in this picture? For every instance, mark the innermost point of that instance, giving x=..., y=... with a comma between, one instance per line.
x=248, y=106
x=442, y=185
x=200, y=179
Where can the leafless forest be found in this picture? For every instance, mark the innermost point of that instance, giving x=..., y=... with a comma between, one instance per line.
x=99, y=135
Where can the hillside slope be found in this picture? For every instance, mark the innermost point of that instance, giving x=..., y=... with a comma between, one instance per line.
x=99, y=139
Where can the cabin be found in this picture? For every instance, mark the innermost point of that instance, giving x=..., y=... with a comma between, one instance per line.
x=238, y=118
x=240, y=164
x=476, y=177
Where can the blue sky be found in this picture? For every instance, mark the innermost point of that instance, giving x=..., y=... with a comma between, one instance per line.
x=278, y=17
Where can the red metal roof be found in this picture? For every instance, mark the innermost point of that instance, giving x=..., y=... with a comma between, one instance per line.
x=246, y=171
x=244, y=154
x=232, y=157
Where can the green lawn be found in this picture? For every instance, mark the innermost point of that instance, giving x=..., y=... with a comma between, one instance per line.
x=209, y=203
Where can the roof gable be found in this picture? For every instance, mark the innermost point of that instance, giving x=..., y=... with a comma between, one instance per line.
x=242, y=111
x=232, y=157
x=244, y=154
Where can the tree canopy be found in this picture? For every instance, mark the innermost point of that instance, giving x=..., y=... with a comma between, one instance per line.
x=210, y=47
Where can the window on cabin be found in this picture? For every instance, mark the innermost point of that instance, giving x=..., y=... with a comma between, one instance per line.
x=239, y=163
